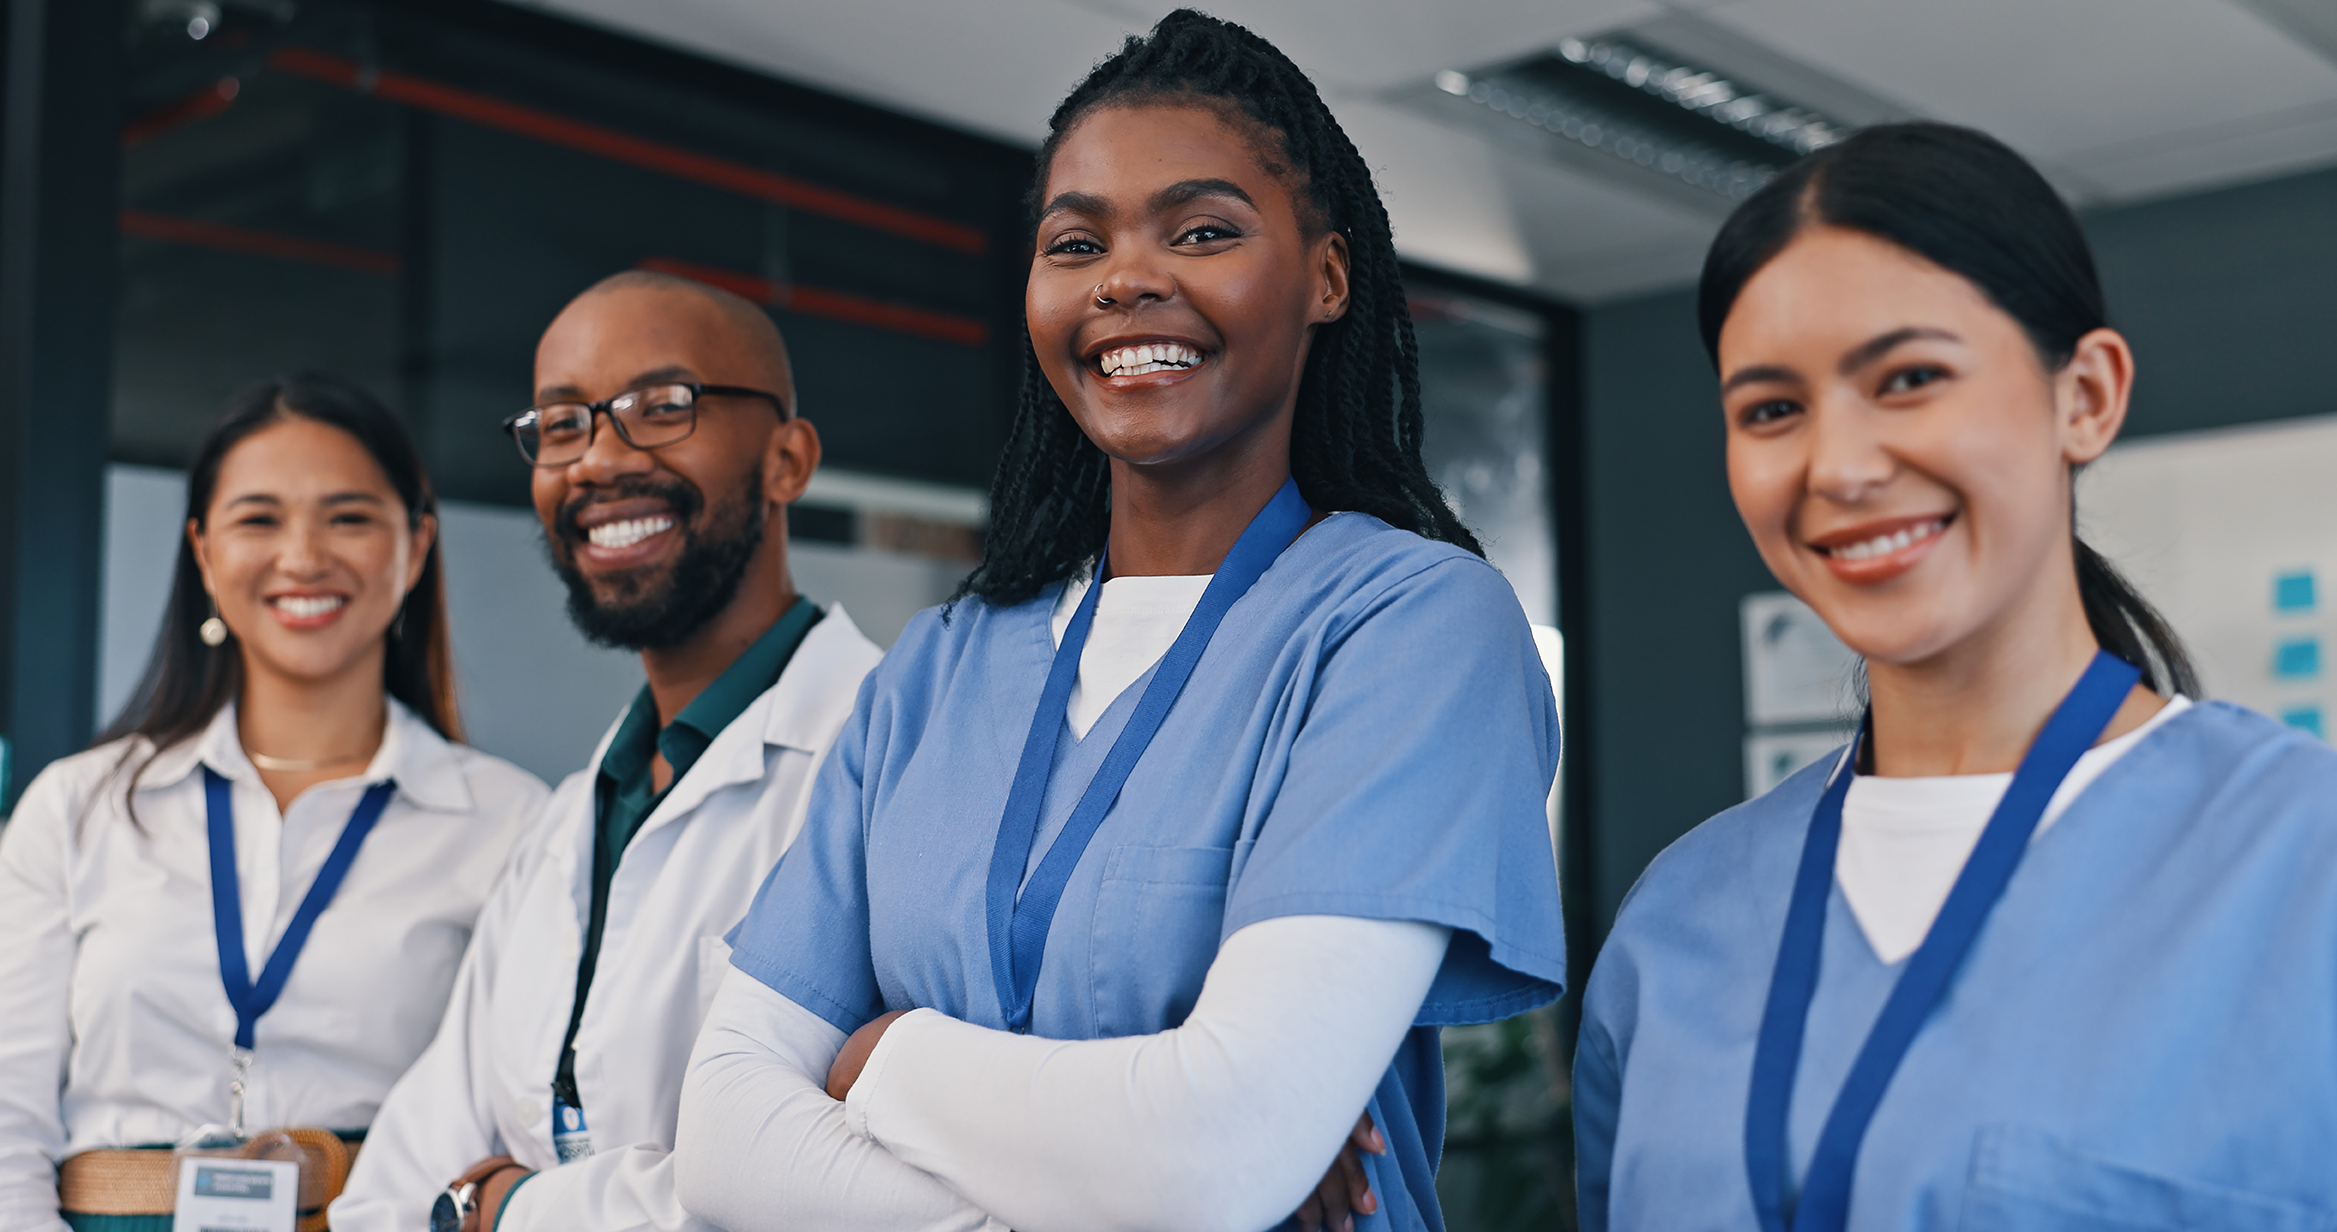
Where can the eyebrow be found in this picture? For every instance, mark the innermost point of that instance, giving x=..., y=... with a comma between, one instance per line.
x=1852, y=360
x=1755, y=374
x=1183, y=192
x=336, y=498
x=1077, y=203
x=1882, y=344
x=1186, y=191
x=570, y=393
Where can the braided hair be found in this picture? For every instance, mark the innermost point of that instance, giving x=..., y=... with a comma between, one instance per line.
x=1355, y=435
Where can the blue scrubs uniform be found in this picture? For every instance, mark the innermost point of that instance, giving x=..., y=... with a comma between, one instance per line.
x=2143, y=1036
x=1370, y=733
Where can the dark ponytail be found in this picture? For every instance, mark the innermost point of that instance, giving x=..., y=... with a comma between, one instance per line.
x=1963, y=201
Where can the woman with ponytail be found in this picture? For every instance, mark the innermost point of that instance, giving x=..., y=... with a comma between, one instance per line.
x=2049, y=945
x=243, y=909
x=1138, y=884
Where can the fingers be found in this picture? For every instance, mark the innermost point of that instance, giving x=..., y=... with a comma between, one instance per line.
x=1367, y=1137
x=1331, y=1194
x=1310, y=1214
x=1358, y=1196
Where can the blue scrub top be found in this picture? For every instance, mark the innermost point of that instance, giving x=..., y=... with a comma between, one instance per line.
x=1370, y=733
x=2143, y=1036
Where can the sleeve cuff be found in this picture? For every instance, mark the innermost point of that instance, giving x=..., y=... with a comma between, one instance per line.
x=867, y=1090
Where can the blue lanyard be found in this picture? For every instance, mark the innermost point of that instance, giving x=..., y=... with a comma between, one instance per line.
x=1018, y=924
x=249, y=999
x=1824, y=1205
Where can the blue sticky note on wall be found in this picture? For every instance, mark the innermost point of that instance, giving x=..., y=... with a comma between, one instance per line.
x=2294, y=592
x=2304, y=718
x=2298, y=658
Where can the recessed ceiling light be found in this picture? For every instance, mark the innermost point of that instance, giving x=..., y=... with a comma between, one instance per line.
x=1684, y=124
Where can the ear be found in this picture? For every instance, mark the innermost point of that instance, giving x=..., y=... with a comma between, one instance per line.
x=202, y=549
x=425, y=535
x=1331, y=260
x=2090, y=394
x=789, y=457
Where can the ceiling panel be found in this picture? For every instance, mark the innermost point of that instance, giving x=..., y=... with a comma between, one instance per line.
x=2118, y=99
x=2054, y=79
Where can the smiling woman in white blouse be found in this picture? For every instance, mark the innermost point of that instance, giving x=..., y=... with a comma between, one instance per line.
x=244, y=907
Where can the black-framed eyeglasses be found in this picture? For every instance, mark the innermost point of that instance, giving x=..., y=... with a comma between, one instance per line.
x=649, y=417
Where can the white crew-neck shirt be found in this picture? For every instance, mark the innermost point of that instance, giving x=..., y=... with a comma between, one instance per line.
x=1905, y=840
x=1136, y=620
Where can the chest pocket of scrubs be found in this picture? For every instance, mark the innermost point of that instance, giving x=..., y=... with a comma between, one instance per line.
x=1157, y=917
x=2026, y=1180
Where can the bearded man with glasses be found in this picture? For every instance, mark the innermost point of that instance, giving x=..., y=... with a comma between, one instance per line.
x=664, y=450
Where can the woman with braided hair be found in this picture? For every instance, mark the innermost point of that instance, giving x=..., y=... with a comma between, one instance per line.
x=1155, y=859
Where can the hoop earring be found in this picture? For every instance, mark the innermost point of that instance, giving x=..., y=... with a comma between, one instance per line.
x=213, y=631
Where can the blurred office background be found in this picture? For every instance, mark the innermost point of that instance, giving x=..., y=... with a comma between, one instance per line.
x=196, y=193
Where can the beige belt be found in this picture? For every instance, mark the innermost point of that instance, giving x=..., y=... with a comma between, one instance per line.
x=144, y=1182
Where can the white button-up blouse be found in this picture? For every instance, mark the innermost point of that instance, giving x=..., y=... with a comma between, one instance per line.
x=115, y=1029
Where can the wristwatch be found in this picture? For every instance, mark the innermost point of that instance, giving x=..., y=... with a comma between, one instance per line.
x=457, y=1207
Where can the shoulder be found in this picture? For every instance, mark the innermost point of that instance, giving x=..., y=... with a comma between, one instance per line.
x=1741, y=859
x=2220, y=758
x=498, y=787
x=65, y=789
x=1353, y=567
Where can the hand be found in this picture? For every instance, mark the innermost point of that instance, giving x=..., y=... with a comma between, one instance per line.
x=1344, y=1190
x=850, y=1061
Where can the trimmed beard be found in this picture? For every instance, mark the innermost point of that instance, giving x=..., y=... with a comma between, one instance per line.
x=660, y=611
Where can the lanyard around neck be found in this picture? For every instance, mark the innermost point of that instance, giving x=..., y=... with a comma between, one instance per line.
x=1019, y=923
x=254, y=999
x=1824, y=1205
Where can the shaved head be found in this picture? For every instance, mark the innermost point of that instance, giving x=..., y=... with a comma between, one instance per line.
x=645, y=305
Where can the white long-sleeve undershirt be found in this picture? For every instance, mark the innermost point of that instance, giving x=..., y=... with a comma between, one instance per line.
x=1224, y=1122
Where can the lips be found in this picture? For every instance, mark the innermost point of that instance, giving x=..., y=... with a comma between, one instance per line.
x=306, y=611
x=1123, y=359
x=626, y=533
x=1878, y=551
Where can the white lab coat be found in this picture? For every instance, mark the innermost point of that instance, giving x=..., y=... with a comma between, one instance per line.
x=484, y=1085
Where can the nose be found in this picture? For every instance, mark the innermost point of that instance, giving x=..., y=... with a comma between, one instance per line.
x=1133, y=279
x=608, y=457
x=304, y=554
x=1848, y=461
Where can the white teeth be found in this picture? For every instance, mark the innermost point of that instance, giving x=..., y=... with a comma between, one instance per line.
x=1883, y=544
x=1151, y=357
x=304, y=607
x=628, y=532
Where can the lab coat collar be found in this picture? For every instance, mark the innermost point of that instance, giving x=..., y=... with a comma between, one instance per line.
x=808, y=705
x=428, y=773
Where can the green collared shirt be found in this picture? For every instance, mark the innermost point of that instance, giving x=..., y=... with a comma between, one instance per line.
x=624, y=796
x=623, y=792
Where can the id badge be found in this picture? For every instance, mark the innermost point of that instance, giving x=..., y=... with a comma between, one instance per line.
x=570, y=1138
x=230, y=1194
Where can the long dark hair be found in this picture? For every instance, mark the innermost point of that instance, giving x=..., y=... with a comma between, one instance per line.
x=1355, y=437
x=186, y=682
x=1965, y=202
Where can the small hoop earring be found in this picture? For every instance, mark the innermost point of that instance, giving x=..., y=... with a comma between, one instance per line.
x=213, y=630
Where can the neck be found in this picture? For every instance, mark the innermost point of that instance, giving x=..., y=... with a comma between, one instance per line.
x=1182, y=518
x=679, y=673
x=338, y=720
x=1976, y=707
